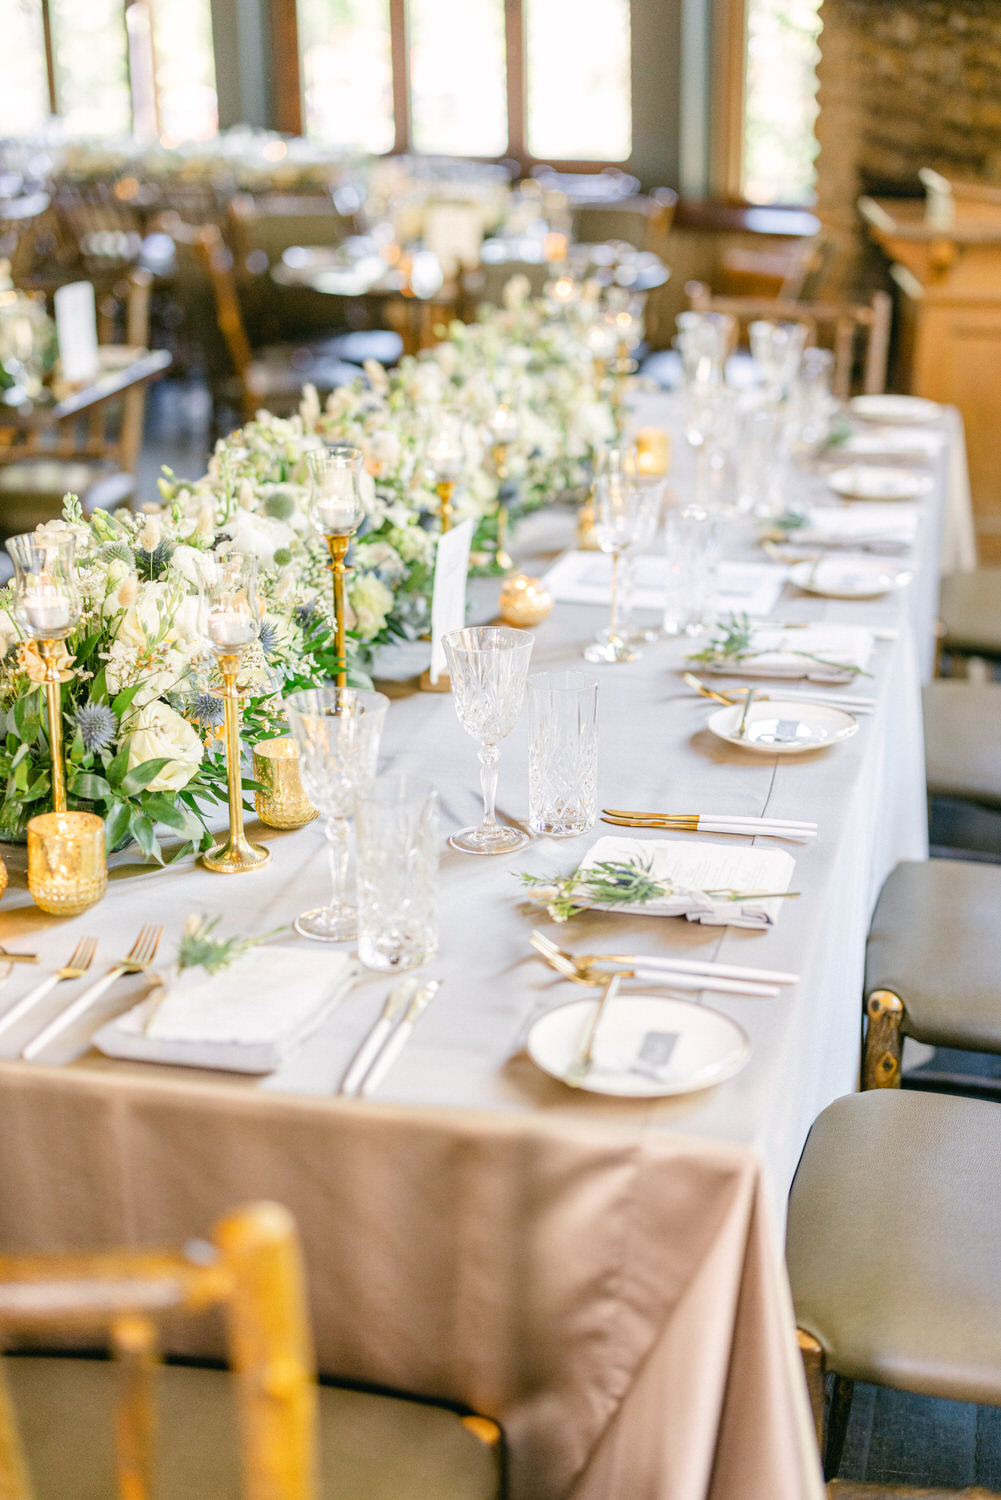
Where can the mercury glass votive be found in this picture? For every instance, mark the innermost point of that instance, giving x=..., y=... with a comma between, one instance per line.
x=66, y=866
x=284, y=804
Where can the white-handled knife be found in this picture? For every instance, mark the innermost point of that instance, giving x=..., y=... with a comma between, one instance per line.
x=399, y=1038
x=398, y=997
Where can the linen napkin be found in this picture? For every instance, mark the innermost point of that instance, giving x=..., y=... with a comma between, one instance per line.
x=890, y=528
x=693, y=869
x=586, y=578
x=820, y=651
x=245, y=1018
x=910, y=444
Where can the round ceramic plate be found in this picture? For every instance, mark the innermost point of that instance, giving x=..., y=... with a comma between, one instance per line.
x=646, y=1047
x=895, y=409
x=878, y=482
x=779, y=727
x=847, y=578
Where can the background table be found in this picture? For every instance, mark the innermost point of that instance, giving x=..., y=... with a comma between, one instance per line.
x=600, y=1275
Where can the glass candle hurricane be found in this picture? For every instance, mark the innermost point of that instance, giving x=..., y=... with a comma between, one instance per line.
x=445, y=454
x=336, y=510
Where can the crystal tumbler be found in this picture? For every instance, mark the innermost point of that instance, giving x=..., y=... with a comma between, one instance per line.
x=563, y=753
x=396, y=827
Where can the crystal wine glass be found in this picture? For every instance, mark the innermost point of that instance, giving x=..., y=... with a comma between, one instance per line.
x=488, y=666
x=337, y=731
x=622, y=509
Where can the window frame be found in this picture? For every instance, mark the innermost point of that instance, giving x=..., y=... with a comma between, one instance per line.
x=288, y=101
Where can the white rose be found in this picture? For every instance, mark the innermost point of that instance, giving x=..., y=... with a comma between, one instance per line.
x=160, y=731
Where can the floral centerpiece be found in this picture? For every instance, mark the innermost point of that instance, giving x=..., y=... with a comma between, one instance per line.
x=142, y=719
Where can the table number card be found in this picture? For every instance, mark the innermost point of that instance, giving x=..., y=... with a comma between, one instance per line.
x=76, y=330
x=448, y=601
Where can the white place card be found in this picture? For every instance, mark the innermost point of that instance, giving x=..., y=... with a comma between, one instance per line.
x=448, y=601
x=76, y=330
x=586, y=578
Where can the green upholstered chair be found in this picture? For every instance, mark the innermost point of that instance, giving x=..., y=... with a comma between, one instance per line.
x=963, y=740
x=894, y=1223
x=970, y=612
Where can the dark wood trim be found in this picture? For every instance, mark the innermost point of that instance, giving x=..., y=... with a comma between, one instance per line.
x=50, y=61
x=286, y=73
x=400, y=41
x=517, y=94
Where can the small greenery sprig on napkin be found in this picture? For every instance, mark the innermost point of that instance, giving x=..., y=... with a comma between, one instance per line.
x=198, y=949
x=733, y=642
x=615, y=883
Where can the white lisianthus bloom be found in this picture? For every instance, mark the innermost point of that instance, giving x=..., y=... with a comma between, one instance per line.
x=184, y=561
x=160, y=731
x=259, y=536
x=371, y=602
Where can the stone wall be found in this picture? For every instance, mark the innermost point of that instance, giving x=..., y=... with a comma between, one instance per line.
x=903, y=84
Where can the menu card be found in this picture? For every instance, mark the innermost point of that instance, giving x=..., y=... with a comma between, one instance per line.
x=76, y=330
x=448, y=600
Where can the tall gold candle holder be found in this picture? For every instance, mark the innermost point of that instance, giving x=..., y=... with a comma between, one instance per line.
x=67, y=872
x=445, y=455
x=503, y=432
x=284, y=804
x=337, y=509
x=229, y=621
x=47, y=606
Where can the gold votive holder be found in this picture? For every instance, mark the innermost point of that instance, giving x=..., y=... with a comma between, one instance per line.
x=586, y=539
x=3, y=877
x=284, y=804
x=67, y=872
x=524, y=601
x=653, y=452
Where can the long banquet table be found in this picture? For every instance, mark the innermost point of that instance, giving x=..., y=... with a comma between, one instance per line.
x=601, y=1276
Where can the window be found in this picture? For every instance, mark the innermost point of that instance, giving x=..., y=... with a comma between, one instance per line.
x=535, y=79
x=107, y=67
x=347, y=73
x=780, y=101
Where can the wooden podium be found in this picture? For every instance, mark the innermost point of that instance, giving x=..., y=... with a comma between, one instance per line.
x=946, y=260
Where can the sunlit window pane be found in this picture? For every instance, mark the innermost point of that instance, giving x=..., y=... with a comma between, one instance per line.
x=781, y=100
x=457, y=77
x=185, y=70
x=92, y=78
x=577, y=59
x=347, y=73
x=24, y=90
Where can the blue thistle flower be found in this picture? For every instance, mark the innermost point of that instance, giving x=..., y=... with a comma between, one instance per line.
x=97, y=725
x=152, y=564
x=306, y=615
x=268, y=637
x=208, y=711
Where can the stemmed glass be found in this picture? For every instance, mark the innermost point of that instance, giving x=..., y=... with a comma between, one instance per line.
x=622, y=513
x=488, y=666
x=777, y=349
x=337, y=731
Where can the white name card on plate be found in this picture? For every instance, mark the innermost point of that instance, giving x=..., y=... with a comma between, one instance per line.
x=76, y=330
x=448, y=601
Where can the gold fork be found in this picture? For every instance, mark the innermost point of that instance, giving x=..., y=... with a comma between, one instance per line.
x=80, y=962
x=140, y=957
x=584, y=968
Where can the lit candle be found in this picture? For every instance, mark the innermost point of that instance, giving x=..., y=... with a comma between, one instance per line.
x=555, y=246
x=338, y=515
x=653, y=451
x=46, y=608
x=503, y=425
x=563, y=290
x=445, y=456
x=231, y=625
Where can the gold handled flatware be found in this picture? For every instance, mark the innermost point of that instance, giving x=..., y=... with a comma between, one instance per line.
x=80, y=961
x=740, y=733
x=583, y=1058
x=399, y=996
x=777, y=828
x=730, y=696
x=139, y=958
x=675, y=978
x=546, y=946
x=398, y=1040
x=7, y=957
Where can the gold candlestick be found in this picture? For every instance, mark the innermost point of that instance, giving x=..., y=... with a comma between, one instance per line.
x=444, y=490
x=237, y=853
x=52, y=652
x=502, y=557
x=338, y=549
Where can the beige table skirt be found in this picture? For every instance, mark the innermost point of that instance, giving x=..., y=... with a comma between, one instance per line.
x=612, y=1297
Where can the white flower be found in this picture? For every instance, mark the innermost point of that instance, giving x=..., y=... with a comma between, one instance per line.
x=184, y=561
x=258, y=536
x=246, y=498
x=371, y=602
x=159, y=731
x=377, y=378
x=145, y=616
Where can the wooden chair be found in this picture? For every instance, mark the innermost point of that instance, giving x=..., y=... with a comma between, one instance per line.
x=841, y=325
x=97, y=457
x=270, y=376
x=894, y=1216
x=793, y=273
x=642, y=221
x=20, y=222
x=297, y=1441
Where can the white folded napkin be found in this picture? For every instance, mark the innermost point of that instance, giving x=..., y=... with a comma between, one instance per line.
x=586, y=578
x=695, y=868
x=889, y=528
x=819, y=651
x=245, y=1018
x=893, y=442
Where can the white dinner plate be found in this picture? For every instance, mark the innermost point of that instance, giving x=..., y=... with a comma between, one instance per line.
x=878, y=482
x=909, y=409
x=778, y=726
x=646, y=1047
x=847, y=578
